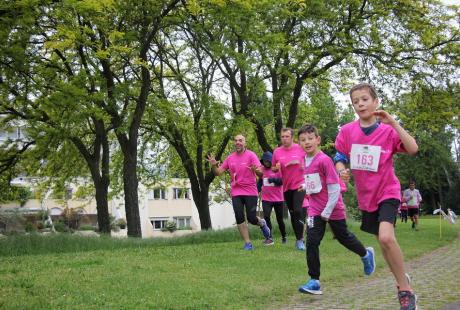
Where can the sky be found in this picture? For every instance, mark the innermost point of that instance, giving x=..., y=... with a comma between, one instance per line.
x=449, y=2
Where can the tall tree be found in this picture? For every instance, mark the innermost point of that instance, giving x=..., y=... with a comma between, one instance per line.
x=187, y=113
x=287, y=43
x=430, y=113
x=103, y=51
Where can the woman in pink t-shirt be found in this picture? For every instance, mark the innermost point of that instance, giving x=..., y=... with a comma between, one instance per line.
x=272, y=196
x=322, y=185
x=368, y=146
x=243, y=166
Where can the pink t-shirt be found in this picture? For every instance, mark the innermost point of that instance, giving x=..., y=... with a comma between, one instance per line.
x=271, y=192
x=243, y=179
x=293, y=174
x=306, y=202
x=324, y=167
x=373, y=187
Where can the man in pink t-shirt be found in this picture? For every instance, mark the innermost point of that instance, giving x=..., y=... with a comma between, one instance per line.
x=243, y=166
x=288, y=158
x=323, y=187
x=368, y=146
x=272, y=196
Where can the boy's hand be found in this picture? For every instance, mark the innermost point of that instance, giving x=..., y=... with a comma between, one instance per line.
x=344, y=174
x=384, y=117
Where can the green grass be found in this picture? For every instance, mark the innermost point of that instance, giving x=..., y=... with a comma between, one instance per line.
x=208, y=270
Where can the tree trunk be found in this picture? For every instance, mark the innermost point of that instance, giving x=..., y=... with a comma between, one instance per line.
x=102, y=206
x=203, y=208
x=130, y=186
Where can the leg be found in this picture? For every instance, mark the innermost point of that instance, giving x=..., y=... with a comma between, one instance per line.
x=392, y=254
x=238, y=208
x=251, y=215
x=244, y=232
x=267, y=207
x=416, y=219
x=294, y=200
x=315, y=233
x=388, y=243
x=347, y=238
x=250, y=203
x=279, y=218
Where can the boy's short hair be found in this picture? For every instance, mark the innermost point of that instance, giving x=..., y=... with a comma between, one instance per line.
x=367, y=86
x=308, y=128
x=411, y=182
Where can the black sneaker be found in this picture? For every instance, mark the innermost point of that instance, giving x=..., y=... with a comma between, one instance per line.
x=407, y=300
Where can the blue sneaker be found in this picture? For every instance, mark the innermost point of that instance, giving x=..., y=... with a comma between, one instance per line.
x=312, y=287
x=369, y=261
x=265, y=229
x=299, y=245
x=248, y=246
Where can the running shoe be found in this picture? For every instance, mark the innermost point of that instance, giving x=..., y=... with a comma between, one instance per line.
x=248, y=246
x=312, y=287
x=269, y=242
x=369, y=261
x=407, y=300
x=299, y=245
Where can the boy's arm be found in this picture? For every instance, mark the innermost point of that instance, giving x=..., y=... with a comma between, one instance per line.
x=333, y=192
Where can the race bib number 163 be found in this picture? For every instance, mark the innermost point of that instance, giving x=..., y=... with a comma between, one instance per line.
x=365, y=157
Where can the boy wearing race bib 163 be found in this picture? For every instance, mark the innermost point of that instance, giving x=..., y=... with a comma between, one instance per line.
x=322, y=185
x=368, y=145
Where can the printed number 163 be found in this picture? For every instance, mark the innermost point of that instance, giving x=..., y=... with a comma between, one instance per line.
x=366, y=160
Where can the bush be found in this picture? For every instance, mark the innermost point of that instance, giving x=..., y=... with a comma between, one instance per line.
x=29, y=227
x=171, y=226
x=121, y=223
x=61, y=227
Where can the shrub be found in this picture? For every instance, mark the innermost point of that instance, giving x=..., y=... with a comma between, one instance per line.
x=61, y=227
x=29, y=227
x=121, y=223
x=171, y=226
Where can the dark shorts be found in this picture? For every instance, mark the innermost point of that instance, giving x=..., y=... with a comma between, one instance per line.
x=412, y=211
x=387, y=212
x=240, y=203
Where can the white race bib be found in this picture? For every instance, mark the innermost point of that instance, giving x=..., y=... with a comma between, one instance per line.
x=312, y=183
x=266, y=183
x=365, y=157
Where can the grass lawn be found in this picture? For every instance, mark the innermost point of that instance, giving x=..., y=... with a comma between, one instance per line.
x=208, y=270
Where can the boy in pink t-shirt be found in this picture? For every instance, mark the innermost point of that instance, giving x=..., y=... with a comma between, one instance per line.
x=272, y=196
x=243, y=166
x=322, y=185
x=368, y=146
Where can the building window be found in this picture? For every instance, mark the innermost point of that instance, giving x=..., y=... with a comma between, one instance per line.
x=157, y=193
x=68, y=193
x=182, y=222
x=181, y=193
x=158, y=223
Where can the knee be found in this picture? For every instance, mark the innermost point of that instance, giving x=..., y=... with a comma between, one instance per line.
x=386, y=240
x=253, y=220
x=239, y=219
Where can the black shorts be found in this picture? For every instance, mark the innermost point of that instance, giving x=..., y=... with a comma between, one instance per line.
x=387, y=212
x=412, y=211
